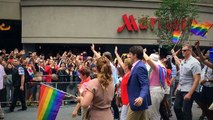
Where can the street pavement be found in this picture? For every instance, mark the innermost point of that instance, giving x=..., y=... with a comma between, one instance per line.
x=65, y=113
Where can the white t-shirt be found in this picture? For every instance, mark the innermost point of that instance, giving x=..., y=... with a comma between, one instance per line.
x=2, y=74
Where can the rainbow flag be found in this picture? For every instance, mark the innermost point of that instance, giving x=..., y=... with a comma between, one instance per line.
x=49, y=103
x=200, y=29
x=176, y=36
x=30, y=71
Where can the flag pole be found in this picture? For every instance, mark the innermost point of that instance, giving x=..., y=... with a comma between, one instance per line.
x=175, y=45
x=67, y=94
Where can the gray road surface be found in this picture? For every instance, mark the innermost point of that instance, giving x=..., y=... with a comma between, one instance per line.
x=65, y=114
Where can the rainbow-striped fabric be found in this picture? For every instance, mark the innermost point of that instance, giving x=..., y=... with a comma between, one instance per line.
x=176, y=36
x=200, y=29
x=50, y=102
x=30, y=71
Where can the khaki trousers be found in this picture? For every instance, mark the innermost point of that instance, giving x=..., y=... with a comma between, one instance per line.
x=136, y=115
x=84, y=113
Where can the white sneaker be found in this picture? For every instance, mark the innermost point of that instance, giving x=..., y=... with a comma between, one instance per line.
x=1, y=114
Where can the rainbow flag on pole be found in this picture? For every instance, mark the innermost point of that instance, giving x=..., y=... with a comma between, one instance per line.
x=176, y=36
x=50, y=102
x=200, y=29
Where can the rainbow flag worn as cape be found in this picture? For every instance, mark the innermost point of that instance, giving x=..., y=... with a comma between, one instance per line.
x=49, y=103
x=200, y=29
x=176, y=36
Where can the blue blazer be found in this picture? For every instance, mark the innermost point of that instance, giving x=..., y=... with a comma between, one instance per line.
x=138, y=86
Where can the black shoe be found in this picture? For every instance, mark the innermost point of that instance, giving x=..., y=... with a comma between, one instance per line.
x=8, y=111
x=22, y=109
x=202, y=117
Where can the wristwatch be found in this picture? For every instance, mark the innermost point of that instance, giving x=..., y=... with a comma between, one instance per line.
x=207, y=79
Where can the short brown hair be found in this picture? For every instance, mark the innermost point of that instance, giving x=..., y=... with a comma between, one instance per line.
x=84, y=71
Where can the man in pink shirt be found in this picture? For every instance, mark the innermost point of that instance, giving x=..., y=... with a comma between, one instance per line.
x=156, y=85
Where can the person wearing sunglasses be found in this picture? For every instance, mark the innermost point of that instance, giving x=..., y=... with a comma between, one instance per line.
x=190, y=71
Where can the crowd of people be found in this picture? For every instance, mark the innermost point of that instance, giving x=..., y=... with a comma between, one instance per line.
x=133, y=86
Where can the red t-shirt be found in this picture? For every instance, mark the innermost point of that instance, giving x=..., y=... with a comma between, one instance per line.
x=124, y=93
x=83, y=85
x=168, y=74
x=84, y=81
x=48, y=73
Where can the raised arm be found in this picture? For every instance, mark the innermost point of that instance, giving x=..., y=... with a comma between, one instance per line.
x=177, y=62
x=148, y=60
x=194, y=55
x=120, y=62
x=202, y=58
x=94, y=51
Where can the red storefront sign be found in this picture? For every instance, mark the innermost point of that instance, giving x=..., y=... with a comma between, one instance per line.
x=130, y=24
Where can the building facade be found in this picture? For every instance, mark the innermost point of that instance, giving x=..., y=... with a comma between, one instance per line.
x=92, y=21
x=10, y=24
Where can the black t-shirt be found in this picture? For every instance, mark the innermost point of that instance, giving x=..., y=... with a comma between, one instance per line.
x=16, y=75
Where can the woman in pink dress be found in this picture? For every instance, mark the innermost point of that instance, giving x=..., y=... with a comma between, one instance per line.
x=100, y=92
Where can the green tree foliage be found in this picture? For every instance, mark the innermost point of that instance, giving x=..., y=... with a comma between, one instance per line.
x=170, y=11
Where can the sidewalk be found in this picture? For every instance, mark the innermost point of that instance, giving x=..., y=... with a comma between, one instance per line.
x=65, y=113
x=31, y=114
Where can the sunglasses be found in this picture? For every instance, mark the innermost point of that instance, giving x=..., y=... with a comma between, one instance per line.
x=184, y=50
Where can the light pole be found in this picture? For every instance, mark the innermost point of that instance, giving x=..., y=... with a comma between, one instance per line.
x=160, y=45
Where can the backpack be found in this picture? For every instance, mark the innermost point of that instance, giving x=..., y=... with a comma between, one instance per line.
x=162, y=75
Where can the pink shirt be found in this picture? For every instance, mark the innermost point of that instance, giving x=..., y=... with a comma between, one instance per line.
x=133, y=65
x=154, y=76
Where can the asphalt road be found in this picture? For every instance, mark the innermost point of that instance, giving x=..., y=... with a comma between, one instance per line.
x=65, y=113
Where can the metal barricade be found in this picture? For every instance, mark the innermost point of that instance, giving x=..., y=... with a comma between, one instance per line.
x=32, y=91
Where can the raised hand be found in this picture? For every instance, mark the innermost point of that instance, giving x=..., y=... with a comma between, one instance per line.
x=197, y=43
x=93, y=47
x=144, y=50
x=116, y=49
x=172, y=51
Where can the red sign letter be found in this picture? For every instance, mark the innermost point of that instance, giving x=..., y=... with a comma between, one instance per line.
x=128, y=23
x=143, y=24
x=152, y=22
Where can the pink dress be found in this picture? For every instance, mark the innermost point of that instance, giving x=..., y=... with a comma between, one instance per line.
x=100, y=109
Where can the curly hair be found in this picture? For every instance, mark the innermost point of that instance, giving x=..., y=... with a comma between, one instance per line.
x=104, y=72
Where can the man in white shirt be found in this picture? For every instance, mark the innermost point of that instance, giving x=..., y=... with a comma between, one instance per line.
x=190, y=71
x=2, y=75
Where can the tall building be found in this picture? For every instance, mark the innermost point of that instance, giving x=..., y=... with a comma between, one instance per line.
x=10, y=24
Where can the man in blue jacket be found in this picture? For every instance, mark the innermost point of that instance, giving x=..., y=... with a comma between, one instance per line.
x=138, y=86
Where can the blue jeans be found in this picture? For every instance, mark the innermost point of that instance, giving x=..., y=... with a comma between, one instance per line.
x=183, y=108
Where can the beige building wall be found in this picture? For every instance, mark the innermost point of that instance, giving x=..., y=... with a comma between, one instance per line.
x=92, y=22
x=10, y=9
